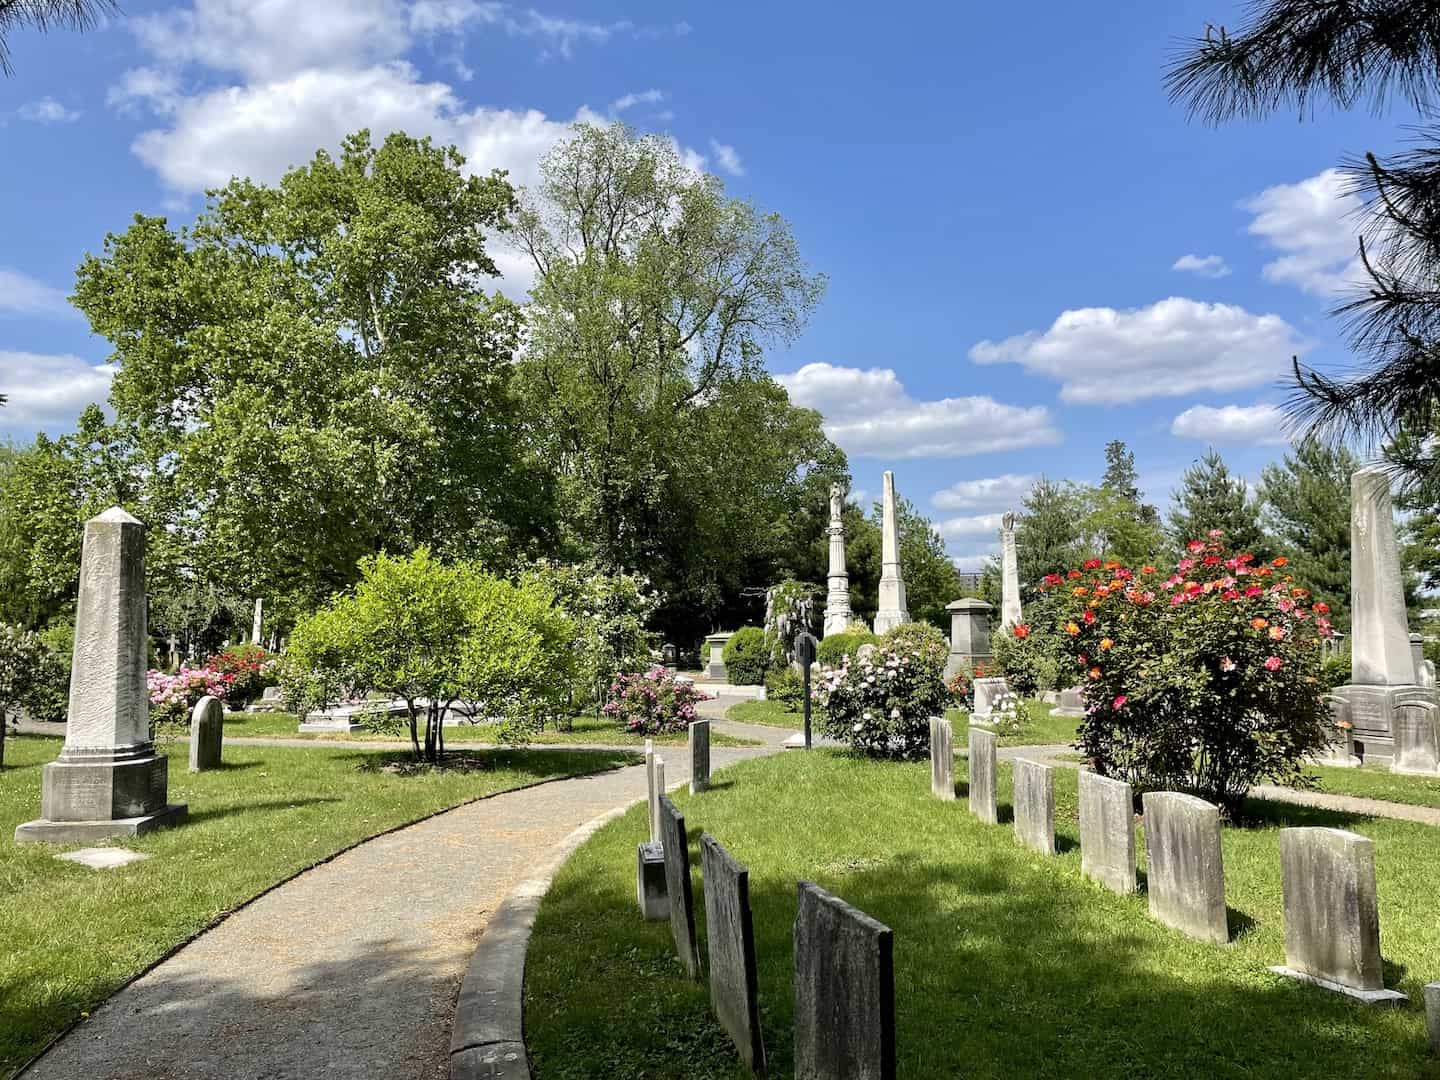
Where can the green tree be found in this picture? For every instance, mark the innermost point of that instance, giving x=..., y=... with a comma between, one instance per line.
x=1210, y=497
x=1120, y=525
x=1306, y=499
x=1048, y=536
x=27, y=670
x=45, y=15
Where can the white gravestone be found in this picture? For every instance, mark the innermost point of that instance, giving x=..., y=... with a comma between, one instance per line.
x=1010, y=612
x=892, y=610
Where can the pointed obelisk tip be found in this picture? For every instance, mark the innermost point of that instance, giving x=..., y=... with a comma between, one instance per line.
x=116, y=516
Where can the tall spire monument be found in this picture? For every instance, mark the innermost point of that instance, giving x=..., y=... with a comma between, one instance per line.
x=1010, y=613
x=837, y=597
x=892, y=611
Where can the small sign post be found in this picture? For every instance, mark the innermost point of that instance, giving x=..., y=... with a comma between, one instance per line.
x=805, y=646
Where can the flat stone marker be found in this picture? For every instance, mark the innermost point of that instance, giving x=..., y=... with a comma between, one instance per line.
x=1417, y=749
x=1332, y=921
x=844, y=991
x=942, y=759
x=982, y=774
x=677, y=885
x=1071, y=703
x=1035, y=805
x=650, y=885
x=1107, y=831
x=734, y=982
x=1432, y=1016
x=699, y=756
x=103, y=858
x=1186, y=875
x=207, y=734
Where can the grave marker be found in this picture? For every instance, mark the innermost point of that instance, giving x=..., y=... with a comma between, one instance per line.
x=1186, y=870
x=1107, y=831
x=1035, y=805
x=207, y=734
x=677, y=885
x=942, y=759
x=730, y=933
x=982, y=774
x=699, y=756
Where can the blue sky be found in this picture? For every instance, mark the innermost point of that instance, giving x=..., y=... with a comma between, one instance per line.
x=1030, y=251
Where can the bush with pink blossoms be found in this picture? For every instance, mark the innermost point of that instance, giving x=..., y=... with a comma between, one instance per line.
x=881, y=704
x=172, y=697
x=652, y=702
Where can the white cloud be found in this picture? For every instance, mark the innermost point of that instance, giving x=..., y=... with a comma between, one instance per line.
x=47, y=111
x=44, y=389
x=994, y=492
x=1209, y=266
x=1253, y=424
x=1313, y=224
x=23, y=295
x=1171, y=348
x=727, y=158
x=971, y=526
x=869, y=414
x=629, y=101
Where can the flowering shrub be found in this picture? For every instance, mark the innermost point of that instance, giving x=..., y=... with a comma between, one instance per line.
x=835, y=647
x=882, y=704
x=1207, y=680
x=251, y=670
x=1009, y=714
x=172, y=697
x=652, y=702
x=931, y=645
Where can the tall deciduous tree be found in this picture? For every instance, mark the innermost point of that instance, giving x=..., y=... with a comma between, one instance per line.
x=1307, y=506
x=1211, y=497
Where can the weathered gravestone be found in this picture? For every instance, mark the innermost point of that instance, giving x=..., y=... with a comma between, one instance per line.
x=987, y=691
x=1072, y=703
x=1417, y=749
x=677, y=886
x=982, y=774
x=734, y=982
x=108, y=780
x=1107, y=831
x=699, y=755
x=1432, y=1016
x=1186, y=871
x=844, y=991
x=1332, y=920
x=942, y=758
x=1035, y=805
x=650, y=891
x=715, y=666
x=207, y=733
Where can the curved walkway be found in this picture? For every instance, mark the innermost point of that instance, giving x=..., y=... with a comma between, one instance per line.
x=352, y=968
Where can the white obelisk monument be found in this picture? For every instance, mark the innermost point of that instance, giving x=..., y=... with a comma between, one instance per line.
x=837, y=596
x=1009, y=573
x=892, y=611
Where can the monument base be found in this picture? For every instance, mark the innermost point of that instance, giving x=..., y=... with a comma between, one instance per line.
x=342, y=724
x=1369, y=997
x=957, y=662
x=85, y=785
x=1373, y=712
x=75, y=832
x=650, y=889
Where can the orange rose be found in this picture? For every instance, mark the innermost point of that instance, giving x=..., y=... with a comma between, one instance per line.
x=1281, y=561
x=1094, y=673
x=1106, y=643
x=1259, y=623
x=1079, y=590
x=1071, y=629
x=1277, y=633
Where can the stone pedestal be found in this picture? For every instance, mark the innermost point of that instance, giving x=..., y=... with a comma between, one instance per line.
x=969, y=634
x=1372, y=712
x=891, y=611
x=715, y=668
x=108, y=780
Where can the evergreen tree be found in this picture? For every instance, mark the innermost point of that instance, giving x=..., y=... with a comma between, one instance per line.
x=1047, y=531
x=1119, y=525
x=1307, y=506
x=1211, y=498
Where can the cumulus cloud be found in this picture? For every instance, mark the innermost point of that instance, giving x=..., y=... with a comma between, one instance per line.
x=727, y=158
x=1209, y=266
x=47, y=111
x=644, y=97
x=23, y=295
x=870, y=414
x=46, y=390
x=1314, y=225
x=1171, y=348
x=989, y=493
x=1242, y=424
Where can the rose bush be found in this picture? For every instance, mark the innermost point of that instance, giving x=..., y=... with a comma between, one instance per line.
x=251, y=669
x=1207, y=680
x=172, y=697
x=881, y=705
x=652, y=702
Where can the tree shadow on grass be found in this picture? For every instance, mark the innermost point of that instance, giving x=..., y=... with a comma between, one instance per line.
x=270, y=806
x=538, y=764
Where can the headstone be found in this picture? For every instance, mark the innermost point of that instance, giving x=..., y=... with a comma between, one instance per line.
x=699, y=756
x=844, y=991
x=657, y=789
x=730, y=934
x=650, y=891
x=1380, y=634
x=1010, y=613
x=1417, y=653
x=715, y=667
x=942, y=759
x=987, y=692
x=1426, y=674
x=1035, y=805
x=1332, y=920
x=108, y=780
x=677, y=885
x=982, y=774
x=837, y=595
x=669, y=655
x=1107, y=831
x=1339, y=752
x=891, y=611
x=1185, y=875
x=207, y=733
x=1432, y=1016
x=258, y=623
x=1072, y=703
x=969, y=634
x=1417, y=747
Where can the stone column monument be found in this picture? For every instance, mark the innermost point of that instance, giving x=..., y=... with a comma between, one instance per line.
x=258, y=624
x=108, y=780
x=1009, y=574
x=837, y=597
x=892, y=611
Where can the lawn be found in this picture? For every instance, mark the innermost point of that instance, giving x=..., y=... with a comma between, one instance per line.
x=584, y=729
x=1008, y=964
x=1377, y=782
x=72, y=935
x=1045, y=729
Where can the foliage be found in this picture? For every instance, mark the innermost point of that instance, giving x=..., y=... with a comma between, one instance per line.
x=882, y=705
x=1210, y=498
x=927, y=643
x=1335, y=670
x=1205, y=681
x=789, y=612
x=42, y=15
x=1047, y=533
x=251, y=669
x=747, y=657
x=174, y=697
x=1021, y=657
x=786, y=687
x=653, y=702
x=307, y=688
x=835, y=647
x=27, y=671
x=1307, y=507
x=1120, y=524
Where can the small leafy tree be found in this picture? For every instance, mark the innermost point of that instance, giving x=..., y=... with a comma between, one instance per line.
x=26, y=671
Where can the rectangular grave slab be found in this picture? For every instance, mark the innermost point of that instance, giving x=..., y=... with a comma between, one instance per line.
x=1072, y=703
x=1417, y=749
x=1107, y=832
x=699, y=756
x=734, y=982
x=1186, y=870
x=650, y=883
x=942, y=758
x=844, y=991
x=1035, y=805
x=1332, y=920
x=677, y=885
x=982, y=774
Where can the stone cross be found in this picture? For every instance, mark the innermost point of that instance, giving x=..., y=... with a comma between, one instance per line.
x=1107, y=831
x=892, y=610
x=108, y=780
x=837, y=595
x=844, y=990
x=1186, y=875
x=677, y=886
x=1035, y=805
x=730, y=934
x=982, y=774
x=699, y=756
x=1010, y=613
x=1380, y=635
x=207, y=733
x=174, y=644
x=942, y=759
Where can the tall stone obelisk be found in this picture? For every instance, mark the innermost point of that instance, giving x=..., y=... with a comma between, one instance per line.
x=259, y=623
x=1010, y=613
x=837, y=595
x=108, y=780
x=892, y=611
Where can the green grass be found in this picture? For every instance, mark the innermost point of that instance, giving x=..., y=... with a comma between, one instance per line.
x=1008, y=964
x=769, y=713
x=1378, y=782
x=585, y=729
x=69, y=935
x=1043, y=730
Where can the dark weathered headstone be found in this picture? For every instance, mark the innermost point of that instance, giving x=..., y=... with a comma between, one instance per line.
x=982, y=774
x=699, y=755
x=1332, y=918
x=1107, y=831
x=1035, y=805
x=1186, y=869
x=1432, y=1016
x=844, y=991
x=650, y=888
x=734, y=982
x=207, y=733
x=677, y=885
x=942, y=759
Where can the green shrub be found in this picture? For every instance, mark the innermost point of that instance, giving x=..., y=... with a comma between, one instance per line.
x=836, y=647
x=1020, y=658
x=51, y=697
x=786, y=688
x=747, y=658
x=26, y=670
x=919, y=638
x=1335, y=670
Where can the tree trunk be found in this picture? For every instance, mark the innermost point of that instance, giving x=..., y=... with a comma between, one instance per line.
x=439, y=731
x=414, y=733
